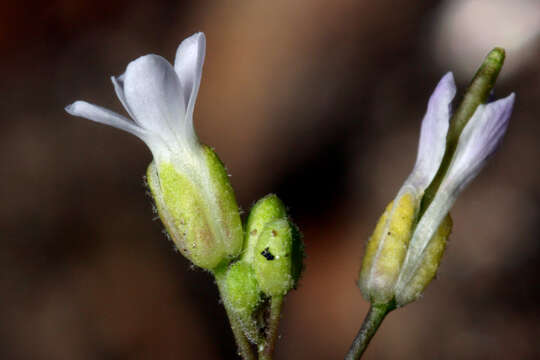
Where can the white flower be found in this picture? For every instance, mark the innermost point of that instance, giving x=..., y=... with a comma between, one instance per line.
x=188, y=181
x=159, y=98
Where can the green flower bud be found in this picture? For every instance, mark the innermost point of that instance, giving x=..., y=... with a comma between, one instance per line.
x=198, y=209
x=243, y=296
x=278, y=258
x=267, y=209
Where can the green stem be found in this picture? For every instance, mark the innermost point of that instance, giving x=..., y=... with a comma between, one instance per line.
x=374, y=318
x=244, y=346
x=477, y=93
x=267, y=350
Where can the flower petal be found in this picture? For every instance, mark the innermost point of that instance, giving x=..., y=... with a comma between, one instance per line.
x=477, y=142
x=479, y=139
x=104, y=116
x=432, y=144
x=154, y=96
x=188, y=65
x=118, y=83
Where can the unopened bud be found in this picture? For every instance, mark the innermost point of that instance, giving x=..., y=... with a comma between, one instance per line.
x=278, y=258
x=265, y=210
x=243, y=296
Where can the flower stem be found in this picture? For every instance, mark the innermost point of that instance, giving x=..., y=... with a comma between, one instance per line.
x=244, y=346
x=374, y=318
x=266, y=351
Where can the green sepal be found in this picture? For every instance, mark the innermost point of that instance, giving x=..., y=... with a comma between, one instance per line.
x=197, y=206
x=429, y=265
x=243, y=297
x=228, y=214
x=278, y=258
x=265, y=210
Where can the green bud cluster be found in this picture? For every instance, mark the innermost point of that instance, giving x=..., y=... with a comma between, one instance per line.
x=254, y=268
x=268, y=268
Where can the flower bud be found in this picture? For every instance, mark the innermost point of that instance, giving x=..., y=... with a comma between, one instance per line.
x=265, y=210
x=243, y=295
x=198, y=210
x=278, y=256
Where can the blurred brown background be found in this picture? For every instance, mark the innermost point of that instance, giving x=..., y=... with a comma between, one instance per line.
x=317, y=101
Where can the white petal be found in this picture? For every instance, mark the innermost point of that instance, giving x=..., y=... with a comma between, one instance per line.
x=477, y=142
x=154, y=96
x=432, y=144
x=118, y=83
x=479, y=139
x=188, y=65
x=104, y=116
x=423, y=233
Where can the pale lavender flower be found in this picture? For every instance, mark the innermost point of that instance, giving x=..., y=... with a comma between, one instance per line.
x=398, y=263
x=477, y=142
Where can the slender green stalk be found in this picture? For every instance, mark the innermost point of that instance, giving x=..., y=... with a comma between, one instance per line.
x=374, y=318
x=244, y=346
x=267, y=350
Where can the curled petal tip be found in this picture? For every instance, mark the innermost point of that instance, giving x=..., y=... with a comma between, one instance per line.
x=116, y=79
x=69, y=109
x=447, y=85
x=73, y=108
x=199, y=35
x=511, y=99
x=448, y=77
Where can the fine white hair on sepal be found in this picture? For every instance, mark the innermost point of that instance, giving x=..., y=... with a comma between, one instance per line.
x=432, y=144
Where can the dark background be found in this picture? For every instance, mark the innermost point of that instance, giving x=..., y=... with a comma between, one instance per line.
x=317, y=101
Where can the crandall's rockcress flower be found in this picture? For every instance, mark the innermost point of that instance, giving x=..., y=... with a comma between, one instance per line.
x=404, y=252
x=189, y=183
